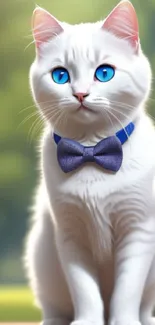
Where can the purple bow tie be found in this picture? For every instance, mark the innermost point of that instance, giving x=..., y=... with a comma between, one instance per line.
x=107, y=154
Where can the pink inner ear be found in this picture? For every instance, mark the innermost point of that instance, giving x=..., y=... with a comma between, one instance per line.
x=44, y=26
x=123, y=22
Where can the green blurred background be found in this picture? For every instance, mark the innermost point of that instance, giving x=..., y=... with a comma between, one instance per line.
x=20, y=129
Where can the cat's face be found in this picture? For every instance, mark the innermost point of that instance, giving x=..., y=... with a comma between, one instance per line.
x=90, y=73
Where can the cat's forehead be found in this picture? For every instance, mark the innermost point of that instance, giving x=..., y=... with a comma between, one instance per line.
x=86, y=42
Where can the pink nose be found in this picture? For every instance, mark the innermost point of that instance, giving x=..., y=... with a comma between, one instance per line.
x=80, y=96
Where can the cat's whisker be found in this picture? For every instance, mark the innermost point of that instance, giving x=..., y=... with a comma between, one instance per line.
x=39, y=103
x=37, y=128
x=37, y=121
x=29, y=45
x=33, y=42
x=29, y=137
x=119, y=112
x=122, y=126
x=26, y=108
x=52, y=116
x=44, y=31
x=59, y=119
x=29, y=35
x=118, y=104
x=27, y=118
x=50, y=109
x=106, y=109
x=65, y=119
x=107, y=115
x=38, y=124
x=123, y=105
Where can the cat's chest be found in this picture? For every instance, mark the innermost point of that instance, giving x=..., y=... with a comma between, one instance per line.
x=89, y=183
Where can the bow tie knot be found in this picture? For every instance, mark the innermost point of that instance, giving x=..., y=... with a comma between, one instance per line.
x=88, y=154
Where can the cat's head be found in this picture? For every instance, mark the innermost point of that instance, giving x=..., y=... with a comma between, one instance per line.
x=89, y=74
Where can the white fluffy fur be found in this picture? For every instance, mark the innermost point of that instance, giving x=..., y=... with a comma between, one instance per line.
x=90, y=253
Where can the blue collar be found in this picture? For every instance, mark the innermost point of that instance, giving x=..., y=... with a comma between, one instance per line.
x=122, y=134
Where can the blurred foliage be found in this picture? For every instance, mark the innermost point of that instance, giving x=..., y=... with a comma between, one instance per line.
x=19, y=128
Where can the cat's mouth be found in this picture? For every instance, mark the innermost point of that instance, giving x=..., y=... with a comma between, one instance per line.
x=84, y=108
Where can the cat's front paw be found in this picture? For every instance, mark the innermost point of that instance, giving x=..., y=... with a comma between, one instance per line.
x=124, y=322
x=86, y=322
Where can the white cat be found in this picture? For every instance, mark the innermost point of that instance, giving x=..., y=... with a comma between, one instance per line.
x=90, y=254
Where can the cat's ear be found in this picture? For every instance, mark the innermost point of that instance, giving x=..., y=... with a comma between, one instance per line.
x=123, y=22
x=44, y=26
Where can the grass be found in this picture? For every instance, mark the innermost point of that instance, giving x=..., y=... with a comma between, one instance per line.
x=16, y=305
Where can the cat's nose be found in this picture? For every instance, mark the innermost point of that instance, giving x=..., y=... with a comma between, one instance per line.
x=80, y=96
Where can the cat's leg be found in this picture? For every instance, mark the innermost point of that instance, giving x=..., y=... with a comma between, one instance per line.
x=148, y=300
x=80, y=271
x=45, y=272
x=133, y=259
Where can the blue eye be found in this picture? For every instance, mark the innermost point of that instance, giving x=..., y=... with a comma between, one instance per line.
x=60, y=75
x=104, y=73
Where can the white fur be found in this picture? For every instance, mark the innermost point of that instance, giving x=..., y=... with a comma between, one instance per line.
x=90, y=252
